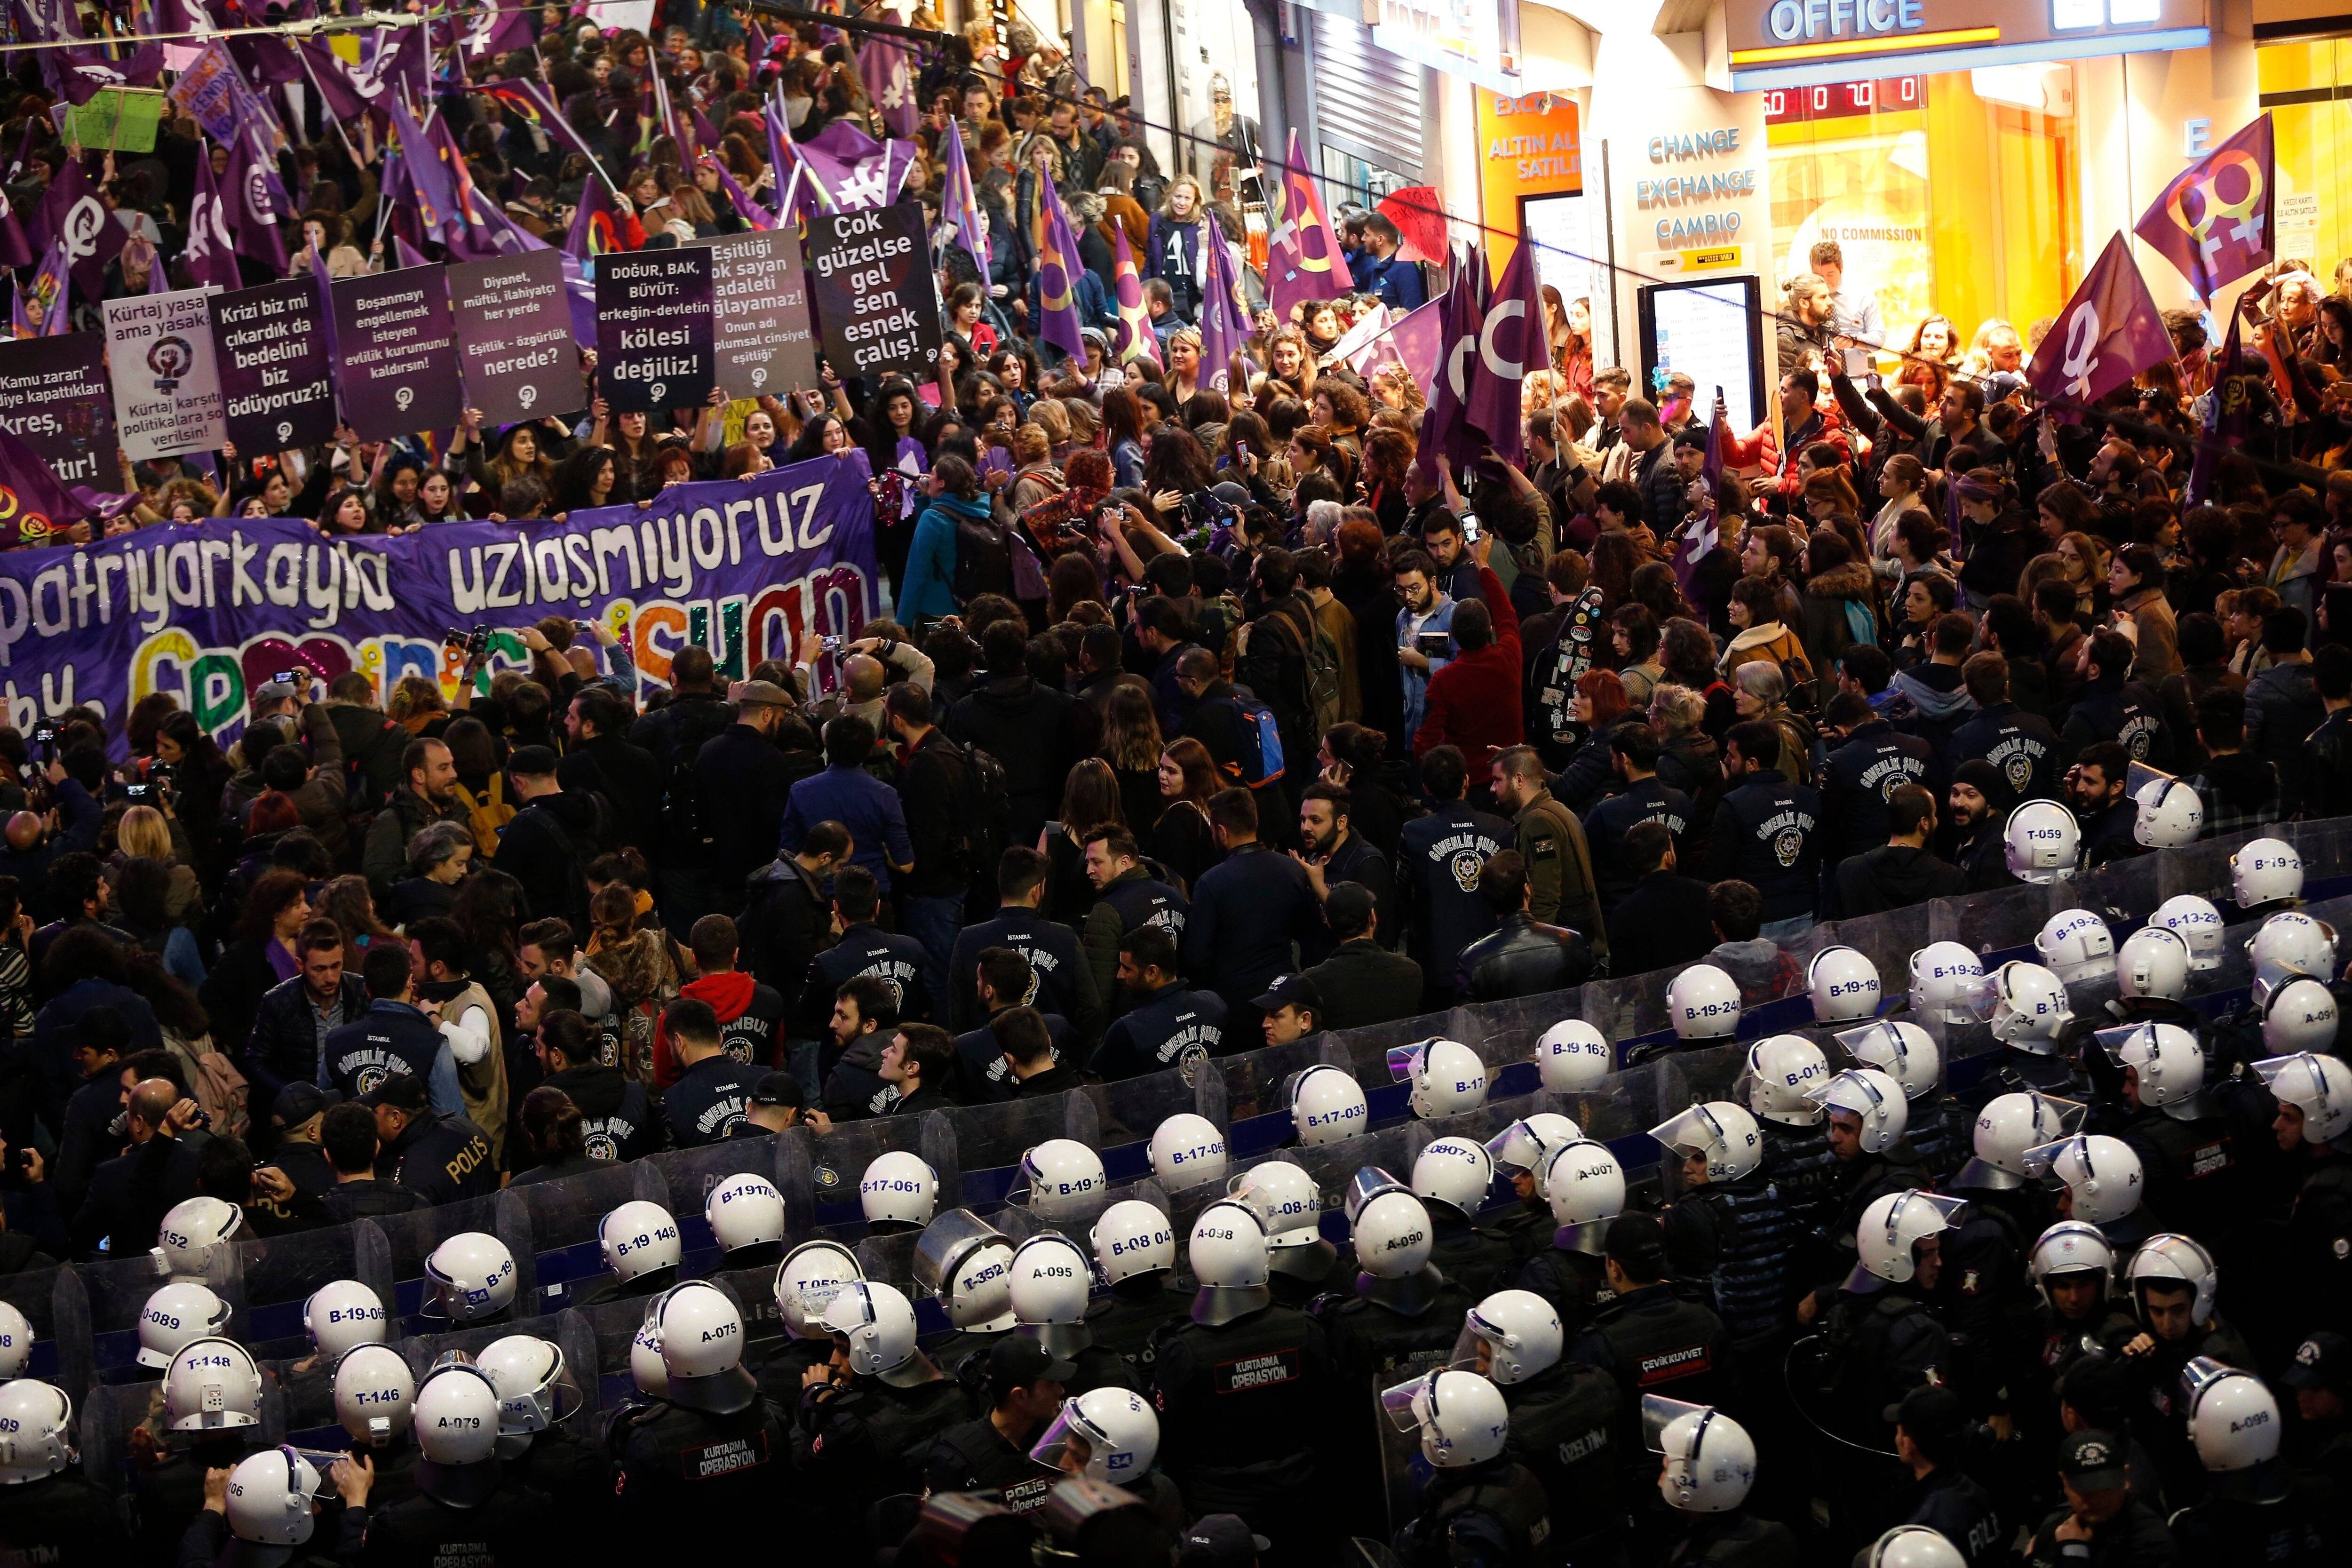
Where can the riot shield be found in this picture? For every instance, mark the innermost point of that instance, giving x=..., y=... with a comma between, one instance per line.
x=55, y=1304
x=118, y=1290
x=687, y=1175
x=112, y=1421
x=991, y=1138
x=1888, y=941
x=558, y=1224
x=1365, y=1051
x=305, y=1389
x=412, y=1237
x=572, y=1331
x=1999, y=922
x=1254, y=1079
x=610, y=1330
x=837, y=1159
x=1129, y=1111
x=280, y=1272
x=2204, y=867
x=890, y=1260
x=2126, y=892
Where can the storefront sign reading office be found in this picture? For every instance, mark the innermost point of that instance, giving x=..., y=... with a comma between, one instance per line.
x=1678, y=185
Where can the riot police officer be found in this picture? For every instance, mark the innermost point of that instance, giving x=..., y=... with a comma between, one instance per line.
x=49, y=1512
x=1452, y=1177
x=2314, y=1122
x=1709, y=1465
x=1051, y=1284
x=1301, y=1264
x=1728, y=1228
x=710, y=1450
x=1930, y=1437
x=1520, y=1151
x=1135, y=1253
x=212, y=1404
x=2173, y=1281
x=1586, y=1189
x=538, y=1397
x=865, y=1420
x=2187, y=1154
x=1867, y=1112
x=1650, y=1337
x=1984, y=1294
x=990, y=1453
x=1560, y=1417
x=2250, y=1515
x=465, y=1508
x=1481, y=1506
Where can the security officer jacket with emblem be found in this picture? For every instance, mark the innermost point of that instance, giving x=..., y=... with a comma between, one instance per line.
x=975, y=1457
x=1653, y=1340
x=708, y=1098
x=1064, y=982
x=1736, y=1238
x=1158, y=1029
x=1876, y=1348
x=1244, y=1409
x=1439, y=857
x=863, y=949
x=1494, y=1515
x=1606, y=825
x=2318, y=1258
x=982, y=1076
x=683, y=1469
x=441, y=1159
x=2108, y=709
x=2021, y=747
x=1133, y=900
x=389, y=1039
x=1857, y=780
x=616, y=1114
x=1766, y=834
x=1561, y=889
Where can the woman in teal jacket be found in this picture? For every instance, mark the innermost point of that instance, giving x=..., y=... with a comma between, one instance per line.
x=930, y=585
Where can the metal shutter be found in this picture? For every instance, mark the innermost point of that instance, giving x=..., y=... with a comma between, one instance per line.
x=1367, y=100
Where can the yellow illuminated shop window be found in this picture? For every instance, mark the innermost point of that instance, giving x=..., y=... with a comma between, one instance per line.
x=1950, y=195
x=2307, y=87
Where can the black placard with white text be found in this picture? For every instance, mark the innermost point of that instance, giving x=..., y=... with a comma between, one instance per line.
x=654, y=330
x=877, y=307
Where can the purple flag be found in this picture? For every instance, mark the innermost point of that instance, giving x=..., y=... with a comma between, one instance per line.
x=750, y=211
x=854, y=170
x=1136, y=340
x=324, y=282
x=16, y=249
x=1224, y=320
x=45, y=293
x=1303, y=260
x=429, y=181
x=253, y=212
x=883, y=66
x=1511, y=343
x=407, y=255
x=74, y=73
x=339, y=93
x=484, y=34
x=34, y=489
x=1460, y=320
x=2109, y=331
x=2213, y=222
x=960, y=202
x=1420, y=338
x=210, y=253
x=595, y=223
x=1057, y=294
x=73, y=215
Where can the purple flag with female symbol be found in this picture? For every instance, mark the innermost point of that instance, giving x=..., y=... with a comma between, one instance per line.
x=2213, y=222
x=854, y=171
x=73, y=215
x=1136, y=340
x=1225, y=318
x=2109, y=331
x=960, y=202
x=887, y=71
x=210, y=254
x=253, y=212
x=1511, y=344
x=1057, y=295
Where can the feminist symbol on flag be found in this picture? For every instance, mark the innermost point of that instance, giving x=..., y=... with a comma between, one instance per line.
x=2247, y=217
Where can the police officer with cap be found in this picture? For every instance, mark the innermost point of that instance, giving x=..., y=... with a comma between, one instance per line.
x=2102, y=1520
x=441, y=1156
x=1931, y=1437
x=990, y=1453
x=295, y=1116
x=710, y=1451
x=1652, y=1339
x=2320, y=1377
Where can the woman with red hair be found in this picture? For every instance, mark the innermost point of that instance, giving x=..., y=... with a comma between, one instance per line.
x=1597, y=707
x=1363, y=583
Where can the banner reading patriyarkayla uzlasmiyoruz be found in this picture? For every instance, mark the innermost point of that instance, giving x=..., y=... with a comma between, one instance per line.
x=207, y=611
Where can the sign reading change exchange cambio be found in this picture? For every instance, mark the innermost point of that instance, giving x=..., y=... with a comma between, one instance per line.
x=158, y=354
x=871, y=277
x=654, y=330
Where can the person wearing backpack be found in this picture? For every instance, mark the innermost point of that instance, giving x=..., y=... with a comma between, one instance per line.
x=550, y=840
x=1287, y=659
x=1029, y=727
x=934, y=566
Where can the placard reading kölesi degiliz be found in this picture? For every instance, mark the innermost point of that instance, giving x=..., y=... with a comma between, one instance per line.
x=877, y=307
x=654, y=330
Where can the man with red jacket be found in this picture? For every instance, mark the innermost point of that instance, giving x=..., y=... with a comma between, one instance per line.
x=1472, y=702
x=751, y=1016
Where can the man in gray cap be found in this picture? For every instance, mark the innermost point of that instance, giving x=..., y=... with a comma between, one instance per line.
x=550, y=838
x=741, y=780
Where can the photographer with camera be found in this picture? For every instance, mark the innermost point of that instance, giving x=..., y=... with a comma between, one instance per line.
x=130, y=1195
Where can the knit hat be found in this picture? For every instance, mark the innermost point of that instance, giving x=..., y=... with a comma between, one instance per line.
x=1987, y=780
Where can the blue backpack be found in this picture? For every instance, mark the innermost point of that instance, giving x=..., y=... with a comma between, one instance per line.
x=1261, y=742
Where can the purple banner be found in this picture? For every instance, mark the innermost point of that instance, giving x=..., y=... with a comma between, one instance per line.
x=761, y=327
x=654, y=330
x=276, y=376
x=206, y=611
x=53, y=397
x=514, y=337
x=877, y=303
x=398, y=364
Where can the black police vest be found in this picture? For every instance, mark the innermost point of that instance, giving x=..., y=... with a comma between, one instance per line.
x=1856, y=783
x=1143, y=902
x=1369, y=1340
x=1498, y=1508
x=1243, y=1408
x=2022, y=750
x=983, y=1462
x=1754, y=1236
x=1051, y=949
x=2192, y=1171
x=901, y=1424
x=1802, y=1171
x=1128, y=1324
x=717, y=1471
x=1560, y=1430
x=1575, y=1283
x=508, y=1523
x=59, y=1520
x=1441, y=855
x=385, y=1042
x=895, y=961
x=1606, y=825
x=1161, y=1031
x=1663, y=1344
x=1941, y=1133
x=1477, y=1262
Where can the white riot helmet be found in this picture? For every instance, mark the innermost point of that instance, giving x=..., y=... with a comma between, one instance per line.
x=1051, y=1279
x=1228, y=1254
x=528, y=1374
x=473, y=1276
x=1781, y=1068
x=1889, y=1229
x=646, y=1368
x=1520, y=1332
x=1710, y=1459
x=2076, y=944
x=1456, y=1172
x=1843, y=984
x=637, y=1240
x=272, y=1497
x=1060, y=1179
x=1462, y=1416
x=2153, y=962
x=1572, y=1055
x=2174, y=1261
x=2009, y=1126
x=878, y=1321
x=2041, y=842
x=2264, y=871
x=1702, y=1003
x=341, y=1314
x=1913, y=1546
x=15, y=1342
x=2299, y=1015
x=702, y=1347
x=212, y=1385
x=194, y=1236
x=2101, y=1174
x=456, y=1415
x=1393, y=1236
x=2293, y=940
x=1946, y=979
x=1722, y=1133
x=967, y=1265
x=806, y=1279
x=1110, y=1433
x=2318, y=1085
x=2029, y=1006
x=1904, y=1052
x=1187, y=1151
x=1288, y=1204
x=898, y=1192
x=1327, y=1104
x=2165, y=1058
x=744, y=1211
x=1875, y=1098
x=2071, y=1247
x=2195, y=921
x=2170, y=815
x=1447, y=1076
x=1133, y=1237
x=1521, y=1148
x=2234, y=1419
x=373, y=1393
x=178, y=1315
x=1585, y=1186
x=36, y=1431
